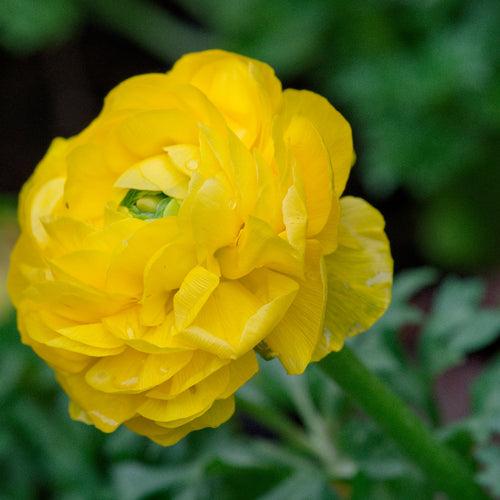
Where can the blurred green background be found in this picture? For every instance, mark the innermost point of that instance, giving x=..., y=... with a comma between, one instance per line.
x=420, y=83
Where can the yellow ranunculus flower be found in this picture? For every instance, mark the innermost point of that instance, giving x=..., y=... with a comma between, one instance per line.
x=196, y=221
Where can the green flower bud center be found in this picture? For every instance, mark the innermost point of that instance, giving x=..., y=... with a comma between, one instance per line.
x=149, y=204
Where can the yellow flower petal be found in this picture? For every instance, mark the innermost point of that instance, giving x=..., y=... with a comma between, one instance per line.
x=60, y=359
x=132, y=371
x=147, y=133
x=257, y=246
x=222, y=150
x=202, y=365
x=165, y=272
x=295, y=338
x=238, y=315
x=328, y=237
x=91, y=334
x=141, y=92
x=313, y=166
x=79, y=414
x=75, y=346
x=128, y=263
x=243, y=89
x=295, y=218
x=211, y=212
x=107, y=411
x=156, y=173
x=240, y=371
x=192, y=295
x=89, y=185
x=75, y=267
x=218, y=413
x=268, y=204
x=334, y=130
x=359, y=272
x=43, y=190
x=65, y=235
x=90, y=340
x=42, y=202
x=184, y=157
x=158, y=434
x=187, y=403
x=76, y=302
x=26, y=267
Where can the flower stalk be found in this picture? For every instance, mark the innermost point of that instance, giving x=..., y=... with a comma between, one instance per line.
x=446, y=469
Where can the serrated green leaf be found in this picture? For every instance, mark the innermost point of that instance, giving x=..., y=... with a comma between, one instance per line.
x=456, y=325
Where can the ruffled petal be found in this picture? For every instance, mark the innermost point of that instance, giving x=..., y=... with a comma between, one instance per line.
x=76, y=302
x=164, y=273
x=211, y=212
x=244, y=90
x=239, y=314
x=359, y=272
x=202, y=365
x=257, y=246
x=295, y=338
x=192, y=295
x=188, y=403
x=334, y=130
x=92, y=334
x=106, y=411
x=156, y=173
x=218, y=413
x=132, y=371
x=313, y=166
x=126, y=272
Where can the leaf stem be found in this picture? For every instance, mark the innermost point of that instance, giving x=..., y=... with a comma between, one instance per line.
x=446, y=470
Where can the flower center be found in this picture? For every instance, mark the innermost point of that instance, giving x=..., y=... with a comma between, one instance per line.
x=149, y=204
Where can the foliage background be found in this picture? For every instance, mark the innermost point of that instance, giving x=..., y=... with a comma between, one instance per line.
x=419, y=82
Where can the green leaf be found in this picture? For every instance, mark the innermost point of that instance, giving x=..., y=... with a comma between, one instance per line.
x=302, y=485
x=411, y=281
x=457, y=325
x=486, y=390
x=485, y=403
x=133, y=480
x=489, y=476
x=375, y=456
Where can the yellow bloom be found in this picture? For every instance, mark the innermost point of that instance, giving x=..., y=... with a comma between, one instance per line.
x=196, y=221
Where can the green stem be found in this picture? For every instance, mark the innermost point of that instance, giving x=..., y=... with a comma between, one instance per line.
x=447, y=471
